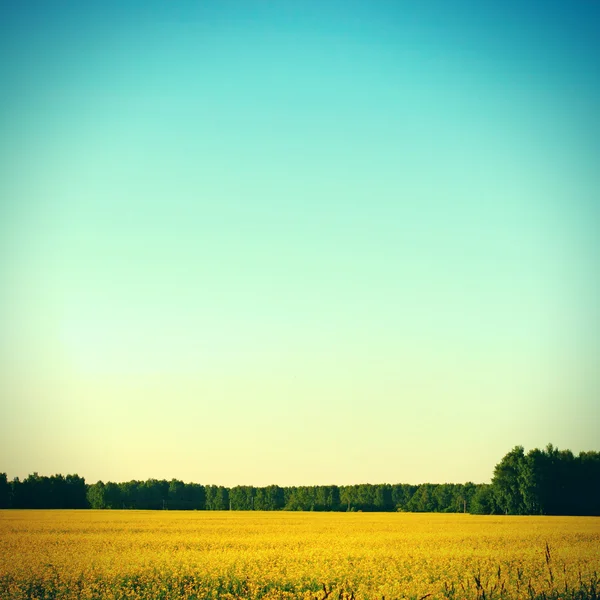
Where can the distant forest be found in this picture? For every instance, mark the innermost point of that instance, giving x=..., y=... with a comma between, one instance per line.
x=541, y=482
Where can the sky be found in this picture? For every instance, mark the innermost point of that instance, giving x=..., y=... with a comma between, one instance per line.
x=298, y=243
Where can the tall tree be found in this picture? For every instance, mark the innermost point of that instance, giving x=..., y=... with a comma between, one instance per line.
x=176, y=495
x=242, y=497
x=482, y=502
x=95, y=495
x=195, y=495
x=118, y=496
x=74, y=492
x=217, y=497
x=507, y=482
x=4, y=491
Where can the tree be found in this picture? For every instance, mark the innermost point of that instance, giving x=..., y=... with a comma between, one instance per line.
x=17, y=493
x=114, y=496
x=545, y=481
x=423, y=499
x=301, y=498
x=95, y=495
x=382, y=497
x=586, y=496
x=401, y=495
x=327, y=497
x=482, y=502
x=4, y=491
x=272, y=498
x=241, y=497
x=507, y=482
x=217, y=497
x=443, y=498
x=176, y=495
x=195, y=496
x=74, y=492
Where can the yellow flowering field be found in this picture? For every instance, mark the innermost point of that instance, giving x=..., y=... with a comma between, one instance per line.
x=167, y=555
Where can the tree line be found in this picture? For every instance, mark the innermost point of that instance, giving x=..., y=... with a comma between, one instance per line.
x=545, y=481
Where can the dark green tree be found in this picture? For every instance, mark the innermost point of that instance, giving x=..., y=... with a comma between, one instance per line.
x=585, y=497
x=4, y=491
x=74, y=492
x=241, y=497
x=114, y=496
x=507, y=482
x=176, y=496
x=217, y=497
x=327, y=497
x=195, y=496
x=423, y=500
x=401, y=495
x=482, y=502
x=301, y=498
x=269, y=498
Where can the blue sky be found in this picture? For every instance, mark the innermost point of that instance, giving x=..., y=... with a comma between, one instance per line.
x=296, y=243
